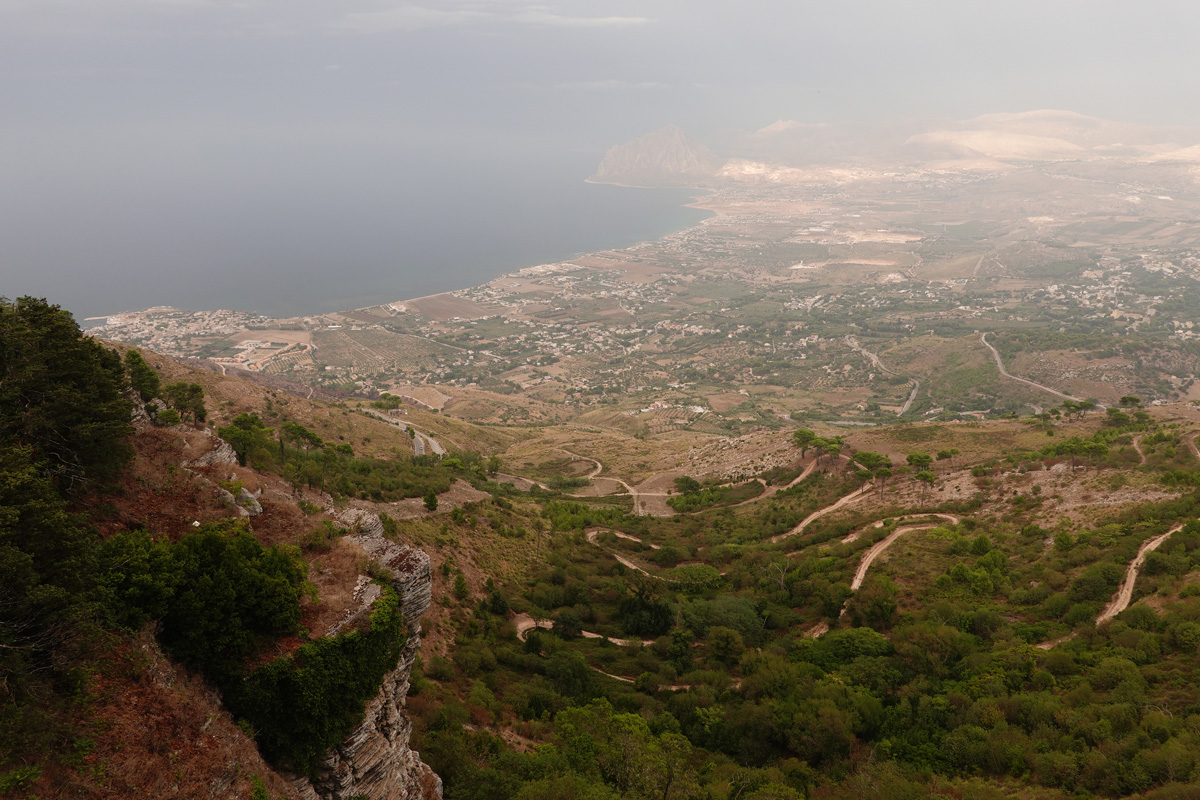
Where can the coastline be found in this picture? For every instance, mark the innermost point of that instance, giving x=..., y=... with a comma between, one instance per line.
x=696, y=202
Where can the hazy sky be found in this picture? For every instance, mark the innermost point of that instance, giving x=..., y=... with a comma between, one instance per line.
x=113, y=109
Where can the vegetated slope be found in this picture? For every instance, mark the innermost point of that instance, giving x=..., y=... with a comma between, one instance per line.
x=149, y=583
x=968, y=655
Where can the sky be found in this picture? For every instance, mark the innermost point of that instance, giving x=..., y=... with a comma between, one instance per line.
x=228, y=110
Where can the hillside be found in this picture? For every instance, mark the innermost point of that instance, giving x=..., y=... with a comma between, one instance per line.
x=152, y=572
x=993, y=608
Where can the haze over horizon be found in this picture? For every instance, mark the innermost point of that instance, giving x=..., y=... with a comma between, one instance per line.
x=243, y=146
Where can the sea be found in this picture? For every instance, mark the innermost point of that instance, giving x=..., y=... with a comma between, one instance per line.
x=289, y=238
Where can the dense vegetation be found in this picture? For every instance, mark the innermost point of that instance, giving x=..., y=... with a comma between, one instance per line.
x=217, y=598
x=700, y=675
x=937, y=681
x=300, y=456
x=303, y=704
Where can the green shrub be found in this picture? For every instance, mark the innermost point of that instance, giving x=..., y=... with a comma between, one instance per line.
x=218, y=593
x=303, y=704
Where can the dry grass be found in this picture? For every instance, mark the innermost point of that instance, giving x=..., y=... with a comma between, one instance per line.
x=151, y=729
x=334, y=573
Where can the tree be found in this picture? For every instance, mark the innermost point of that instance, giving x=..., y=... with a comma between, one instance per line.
x=247, y=435
x=803, y=439
x=167, y=418
x=431, y=501
x=947, y=454
x=567, y=624
x=187, y=399
x=871, y=460
x=685, y=484
x=725, y=644
x=1129, y=401
x=46, y=586
x=883, y=473
x=1096, y=452
x=142, y=377
x=826, y=447
x=919, y=461
x=62, y=395
x=926, y=477
x=298, y=435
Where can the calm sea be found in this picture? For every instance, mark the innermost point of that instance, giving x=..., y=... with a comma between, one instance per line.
x=284, y=237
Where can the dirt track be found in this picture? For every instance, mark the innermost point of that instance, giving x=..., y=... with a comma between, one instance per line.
x=1121, y=599
x=1011, y=377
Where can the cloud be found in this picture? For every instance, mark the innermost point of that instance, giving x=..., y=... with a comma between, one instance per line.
x=610, y=85
x=411, y=17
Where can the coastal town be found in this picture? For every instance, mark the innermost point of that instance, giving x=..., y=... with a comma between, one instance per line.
x=747, y=314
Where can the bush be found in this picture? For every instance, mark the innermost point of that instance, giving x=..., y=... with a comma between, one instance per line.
x=219, y=594
x=303, y=704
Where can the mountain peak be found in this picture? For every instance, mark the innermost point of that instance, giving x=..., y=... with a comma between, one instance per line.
x=665, y=157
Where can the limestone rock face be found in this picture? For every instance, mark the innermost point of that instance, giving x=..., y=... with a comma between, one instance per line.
x=248, y=503
x=666, y=157
x=360, y=521
x=222, y=452
x=376, y=761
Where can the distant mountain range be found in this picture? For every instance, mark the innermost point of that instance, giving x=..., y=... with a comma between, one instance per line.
x=669, y=157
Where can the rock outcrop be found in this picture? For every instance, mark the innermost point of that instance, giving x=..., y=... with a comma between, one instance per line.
x=666, y=157
x=376, y=761
x=365, y=523
x=222, y=452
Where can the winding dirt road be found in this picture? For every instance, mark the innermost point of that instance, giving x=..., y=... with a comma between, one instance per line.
x=1011, y=377
x=846, y=500
x=1137, y=445
x=594, y=475
x=593, y=535
x=877, y=549
x=874, y=359
x=525, y=623
x=1120, y=601
x=853, y=535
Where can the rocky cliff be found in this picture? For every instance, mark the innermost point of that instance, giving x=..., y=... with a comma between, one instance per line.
x=376, y=761
x=666, y=157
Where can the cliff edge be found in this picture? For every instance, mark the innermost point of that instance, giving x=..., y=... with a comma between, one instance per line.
x=375, y=761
